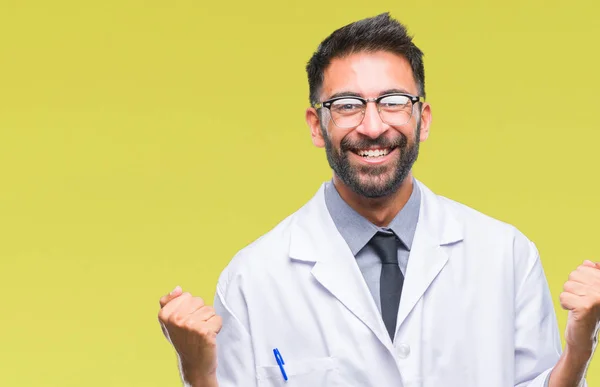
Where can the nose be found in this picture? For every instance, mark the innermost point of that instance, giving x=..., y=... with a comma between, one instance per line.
x=372, y=126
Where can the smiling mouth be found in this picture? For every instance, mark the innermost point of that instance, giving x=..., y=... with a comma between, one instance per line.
x=373, y=153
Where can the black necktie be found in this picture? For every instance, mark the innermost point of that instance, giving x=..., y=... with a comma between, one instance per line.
x=391, y=280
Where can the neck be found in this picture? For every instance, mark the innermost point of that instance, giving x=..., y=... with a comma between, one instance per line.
x=379, y=211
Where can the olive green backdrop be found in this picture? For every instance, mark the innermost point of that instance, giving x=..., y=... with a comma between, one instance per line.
x=143, y=143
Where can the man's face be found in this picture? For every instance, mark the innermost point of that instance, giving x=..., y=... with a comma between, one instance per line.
x=373, y=158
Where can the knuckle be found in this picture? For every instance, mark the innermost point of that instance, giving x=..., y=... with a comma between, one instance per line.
x=199, y=300
x=211, y=338
x=189, y=323
x=218, y=323
x=177, y=318
x=202, y=331
x=219, y=319
x=568, y=286
x=572, y=275
x=562, y=297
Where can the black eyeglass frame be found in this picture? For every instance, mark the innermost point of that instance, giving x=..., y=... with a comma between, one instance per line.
x=327, y=104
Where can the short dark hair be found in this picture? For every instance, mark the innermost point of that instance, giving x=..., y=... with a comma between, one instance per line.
x=379, y=33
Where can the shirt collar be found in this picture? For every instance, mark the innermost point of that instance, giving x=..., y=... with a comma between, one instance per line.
x=357, y=231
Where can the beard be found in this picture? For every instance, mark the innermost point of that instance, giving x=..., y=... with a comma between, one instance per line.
x=377, y=180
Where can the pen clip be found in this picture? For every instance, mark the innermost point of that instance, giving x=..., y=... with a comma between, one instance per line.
x=278, y=356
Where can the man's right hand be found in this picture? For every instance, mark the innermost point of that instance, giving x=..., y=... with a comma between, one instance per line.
x=191, y=327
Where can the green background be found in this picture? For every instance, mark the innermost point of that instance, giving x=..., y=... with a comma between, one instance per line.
x=126, y=170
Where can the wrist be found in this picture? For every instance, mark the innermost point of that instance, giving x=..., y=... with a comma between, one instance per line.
x=577, y=355
x=199, y=380
x=194, y=377
x=571, y=367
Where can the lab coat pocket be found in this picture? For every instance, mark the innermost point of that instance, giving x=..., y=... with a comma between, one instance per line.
x=307, y=372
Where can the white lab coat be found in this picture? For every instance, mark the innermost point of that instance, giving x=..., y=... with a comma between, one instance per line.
x=475, y=309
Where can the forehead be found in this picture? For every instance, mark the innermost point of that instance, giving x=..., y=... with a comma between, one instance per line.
x=368, y=74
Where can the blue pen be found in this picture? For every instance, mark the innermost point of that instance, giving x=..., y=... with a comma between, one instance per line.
x=280, y=363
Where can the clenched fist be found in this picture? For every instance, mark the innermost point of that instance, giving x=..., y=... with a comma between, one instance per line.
x=581, y=297
x=192, y=328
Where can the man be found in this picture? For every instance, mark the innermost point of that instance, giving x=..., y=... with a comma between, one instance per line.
x=377, y=281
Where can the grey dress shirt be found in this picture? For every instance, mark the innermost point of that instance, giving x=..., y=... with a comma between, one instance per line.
x=357, y=231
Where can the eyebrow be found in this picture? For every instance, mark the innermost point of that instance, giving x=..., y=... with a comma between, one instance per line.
x=355, y=94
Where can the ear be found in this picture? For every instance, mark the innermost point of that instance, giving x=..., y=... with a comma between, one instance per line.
x=425, y=121
x=314, y=123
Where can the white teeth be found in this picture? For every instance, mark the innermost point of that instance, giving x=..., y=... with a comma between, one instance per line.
x=373, y=152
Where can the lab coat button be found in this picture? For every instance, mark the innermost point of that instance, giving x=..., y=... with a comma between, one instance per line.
x=403, y=351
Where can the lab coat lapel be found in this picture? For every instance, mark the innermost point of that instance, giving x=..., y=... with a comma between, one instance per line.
x=315, y=238
x=436, y=229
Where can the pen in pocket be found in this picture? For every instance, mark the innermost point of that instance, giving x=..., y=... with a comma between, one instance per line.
x=280, y=363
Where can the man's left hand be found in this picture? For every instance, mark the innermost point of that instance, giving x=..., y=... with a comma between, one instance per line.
x=581, y=297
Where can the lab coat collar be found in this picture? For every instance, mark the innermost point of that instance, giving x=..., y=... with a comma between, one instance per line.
x=314, y=238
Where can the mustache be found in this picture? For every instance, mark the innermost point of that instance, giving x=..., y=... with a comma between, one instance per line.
x=348, y=144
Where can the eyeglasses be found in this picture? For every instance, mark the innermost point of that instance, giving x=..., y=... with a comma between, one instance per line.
x=348, y=112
